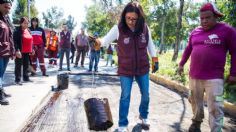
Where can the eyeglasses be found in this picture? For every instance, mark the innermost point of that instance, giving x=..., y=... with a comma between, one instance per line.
x=131, y=19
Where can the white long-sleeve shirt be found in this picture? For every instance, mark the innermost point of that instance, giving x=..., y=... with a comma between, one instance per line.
x=113, y=34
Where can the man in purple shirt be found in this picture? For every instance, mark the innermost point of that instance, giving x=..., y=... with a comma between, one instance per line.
x=81, y=43
x=208, y=46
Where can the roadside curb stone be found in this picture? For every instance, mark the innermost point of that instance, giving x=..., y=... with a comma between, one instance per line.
x=229, y=108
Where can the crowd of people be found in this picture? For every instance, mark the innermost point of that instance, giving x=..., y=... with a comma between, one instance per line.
x=208, y=45
x=28, y=43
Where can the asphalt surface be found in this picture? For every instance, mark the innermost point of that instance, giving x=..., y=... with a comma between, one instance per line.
x=169, y=111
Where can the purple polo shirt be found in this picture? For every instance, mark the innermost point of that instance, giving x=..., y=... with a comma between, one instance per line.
x=208, y=51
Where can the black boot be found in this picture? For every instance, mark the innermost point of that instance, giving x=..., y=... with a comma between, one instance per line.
x=195, y=126
x=44, y=74
x=3, y=100
x=5, y=94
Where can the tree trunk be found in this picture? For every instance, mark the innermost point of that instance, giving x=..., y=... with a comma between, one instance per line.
x=162, y=35
x=178, y=30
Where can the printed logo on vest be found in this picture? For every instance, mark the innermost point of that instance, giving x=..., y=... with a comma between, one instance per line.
x=213, y=39
x=126, y=40
x=143, y=40
x=2, y=25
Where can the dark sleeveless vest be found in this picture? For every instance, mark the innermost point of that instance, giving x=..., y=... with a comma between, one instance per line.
x=109, y=50
x=65, y=40
x=132, y=52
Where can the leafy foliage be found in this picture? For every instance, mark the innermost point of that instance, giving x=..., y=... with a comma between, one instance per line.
x=71, y=23
x=228, y=7
x=53, y=17
x=21, y=10
x=97, y=20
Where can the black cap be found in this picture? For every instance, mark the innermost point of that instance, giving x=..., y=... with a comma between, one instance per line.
x=5, y=1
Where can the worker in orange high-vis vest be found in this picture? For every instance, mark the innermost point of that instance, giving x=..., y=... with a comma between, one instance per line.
x=52, y=48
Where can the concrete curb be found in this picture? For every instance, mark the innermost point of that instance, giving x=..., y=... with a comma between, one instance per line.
x=229, y=108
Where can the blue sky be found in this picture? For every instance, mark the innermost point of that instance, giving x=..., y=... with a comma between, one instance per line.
x=76, y=8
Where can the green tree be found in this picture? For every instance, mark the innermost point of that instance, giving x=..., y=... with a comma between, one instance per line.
x=229, y=9
x=98, y=20
x=71, y=23
x=53, y=17
x=178, y=30
x=21, y=10
x=162, y=20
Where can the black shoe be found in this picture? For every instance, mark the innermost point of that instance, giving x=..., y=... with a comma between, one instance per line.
x=59, y=69
x=195, y=127
x=5, y=94
x=18, y=83
x=27, y=80
x=33, y=74
x=44, y=74
x=3, y=100
x=68, y=70
x=75, y=65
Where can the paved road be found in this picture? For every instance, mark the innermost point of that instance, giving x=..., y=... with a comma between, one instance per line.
x=169, y=111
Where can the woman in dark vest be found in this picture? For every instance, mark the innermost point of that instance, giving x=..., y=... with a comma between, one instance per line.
x=23, y=41
x=134, y=40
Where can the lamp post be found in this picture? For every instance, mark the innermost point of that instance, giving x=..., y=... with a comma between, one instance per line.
x=28, y=8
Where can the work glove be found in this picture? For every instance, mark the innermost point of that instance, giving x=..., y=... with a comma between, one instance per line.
x=155, y=64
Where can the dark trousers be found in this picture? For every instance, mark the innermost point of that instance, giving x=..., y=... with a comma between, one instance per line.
x=72, y=56
x=67, y=52
x=80, y=51
x=18, y=67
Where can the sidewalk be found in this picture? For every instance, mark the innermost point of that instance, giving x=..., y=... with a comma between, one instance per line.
x=25, y=99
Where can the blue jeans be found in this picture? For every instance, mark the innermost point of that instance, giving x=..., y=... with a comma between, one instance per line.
x=62, y=52
x=3, y=66
x=109, y=58
x=126, y=85
x=94, y=57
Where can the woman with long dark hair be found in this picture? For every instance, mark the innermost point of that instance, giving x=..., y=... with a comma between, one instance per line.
x=23, y=41
x=134, y=40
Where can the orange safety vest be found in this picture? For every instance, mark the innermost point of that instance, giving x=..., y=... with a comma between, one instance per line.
x=52, y=44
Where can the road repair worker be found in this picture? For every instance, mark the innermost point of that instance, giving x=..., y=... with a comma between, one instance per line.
x=39, y=42
x=208, y=46
x=52, y=48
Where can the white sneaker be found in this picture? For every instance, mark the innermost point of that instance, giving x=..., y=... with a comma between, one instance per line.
x=145, y=123
x=122, y=129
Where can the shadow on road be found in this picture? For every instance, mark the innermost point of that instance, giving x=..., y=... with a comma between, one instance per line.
x=88, y=81
x=177, y=125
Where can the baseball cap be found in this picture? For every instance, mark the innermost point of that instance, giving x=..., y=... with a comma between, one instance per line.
x=211, y=7
x=5, y=1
